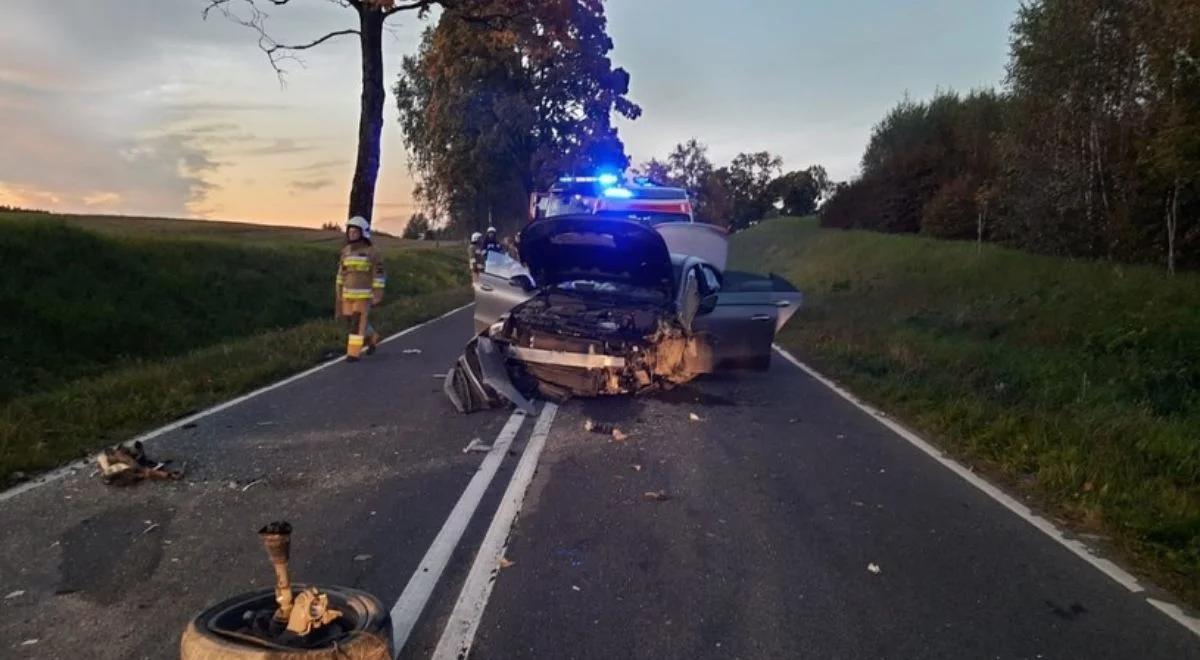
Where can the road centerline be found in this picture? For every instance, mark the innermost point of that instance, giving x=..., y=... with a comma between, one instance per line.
x=459, y=634
x=416, y=594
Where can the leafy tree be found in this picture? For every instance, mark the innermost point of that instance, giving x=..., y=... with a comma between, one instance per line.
x=800, y=191
x=748, y=180
x=418, y=226
x=491, y=111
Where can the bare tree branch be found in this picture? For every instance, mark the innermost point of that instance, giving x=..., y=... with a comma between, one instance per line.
x=256, y=19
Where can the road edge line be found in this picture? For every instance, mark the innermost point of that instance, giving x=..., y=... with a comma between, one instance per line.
x=459, y=633
x=412, y=601
x=78, y=464
x=1078, y=548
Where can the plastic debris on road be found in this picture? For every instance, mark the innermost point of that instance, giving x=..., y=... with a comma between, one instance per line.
x=656, y=496
x=411, y=351
x=874, y=568
x=477, y=445
x=505, y=562
x=694, y=417
x=124, y=466
x=603, y=428
x=16, y=594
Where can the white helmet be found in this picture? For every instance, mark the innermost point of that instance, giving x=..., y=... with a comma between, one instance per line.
x=476, y=237
x=491, y=230
x=362, y=224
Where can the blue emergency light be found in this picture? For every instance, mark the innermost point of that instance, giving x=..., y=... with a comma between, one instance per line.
x=608, y=179
x=618, y=193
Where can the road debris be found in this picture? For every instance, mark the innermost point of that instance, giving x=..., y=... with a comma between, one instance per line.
x=16, y=594
x=636, y=467
x=874, y=568
x=124, y=466
x=153, y=526
x=411, y=351
x=656, y=496
x=362, y=557
x=252, y=484
x=575, y=588
x=694, y=417
x=477, y=446
x=506, y=563
x=30, y=642
x=604, y=428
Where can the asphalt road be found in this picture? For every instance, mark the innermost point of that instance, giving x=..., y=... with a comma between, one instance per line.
x=770, y=506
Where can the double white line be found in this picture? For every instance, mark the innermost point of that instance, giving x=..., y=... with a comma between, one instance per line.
x=459, y=633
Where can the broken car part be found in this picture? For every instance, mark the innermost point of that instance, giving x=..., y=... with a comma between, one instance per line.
x=602, y=306
x=290, y=620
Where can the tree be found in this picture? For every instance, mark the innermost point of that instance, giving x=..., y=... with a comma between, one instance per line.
x=371, y=17
x=748, y=180
x=418, y=226
x=800, y=191
x=491, y=112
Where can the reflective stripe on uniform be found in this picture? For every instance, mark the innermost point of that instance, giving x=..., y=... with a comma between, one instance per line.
x=340, y=279
x=380, y=282
x=355, y=340
x=357, y=263
x=356, y=294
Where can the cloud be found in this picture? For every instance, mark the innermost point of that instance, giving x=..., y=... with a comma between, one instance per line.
x=278, y=147
x=314, y=184
x=102, y=199
x=319, y=165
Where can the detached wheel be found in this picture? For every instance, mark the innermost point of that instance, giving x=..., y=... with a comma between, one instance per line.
x=232, y=630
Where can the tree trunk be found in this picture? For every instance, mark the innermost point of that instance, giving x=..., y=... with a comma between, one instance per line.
x=1172, y=226
x=370, y=119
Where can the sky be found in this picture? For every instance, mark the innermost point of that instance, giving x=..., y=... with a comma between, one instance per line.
x=140, y=107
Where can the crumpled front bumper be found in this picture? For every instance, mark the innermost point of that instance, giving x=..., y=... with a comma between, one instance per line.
x=479, y=380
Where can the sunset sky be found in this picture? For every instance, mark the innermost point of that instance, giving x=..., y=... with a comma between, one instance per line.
x=140, y=107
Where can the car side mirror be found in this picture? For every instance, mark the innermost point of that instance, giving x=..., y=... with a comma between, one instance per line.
x=707, y=304
x=522, y=282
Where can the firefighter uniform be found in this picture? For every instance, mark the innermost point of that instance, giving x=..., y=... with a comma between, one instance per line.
x=360, y=284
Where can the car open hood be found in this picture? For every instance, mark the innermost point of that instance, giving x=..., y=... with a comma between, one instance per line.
x=584, y=247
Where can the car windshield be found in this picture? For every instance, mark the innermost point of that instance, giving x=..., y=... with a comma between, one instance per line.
x=645, y=217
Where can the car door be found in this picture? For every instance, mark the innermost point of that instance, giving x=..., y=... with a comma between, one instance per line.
x=503, y=284
x=749, y=310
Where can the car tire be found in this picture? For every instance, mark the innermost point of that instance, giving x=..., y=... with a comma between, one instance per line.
x=369, y=637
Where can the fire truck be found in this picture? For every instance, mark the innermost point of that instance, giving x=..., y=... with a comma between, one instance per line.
x=605, y=195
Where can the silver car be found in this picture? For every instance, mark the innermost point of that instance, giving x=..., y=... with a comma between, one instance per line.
x=611, y=306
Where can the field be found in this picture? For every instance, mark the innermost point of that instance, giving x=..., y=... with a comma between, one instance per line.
x=1074, y=382
x=113, y=325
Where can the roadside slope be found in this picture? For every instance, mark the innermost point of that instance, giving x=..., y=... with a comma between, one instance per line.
x=108, y=333
x=1077, y=382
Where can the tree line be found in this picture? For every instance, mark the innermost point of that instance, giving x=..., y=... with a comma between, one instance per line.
x=752, y=187
x=1091, y=149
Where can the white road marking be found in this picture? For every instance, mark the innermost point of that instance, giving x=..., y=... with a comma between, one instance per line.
x=1081, y=550
x=75, y=466
x=420, y=586
x=459, y=634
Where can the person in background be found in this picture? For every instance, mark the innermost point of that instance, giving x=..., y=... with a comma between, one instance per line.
x=478, y=255
x=360, y=283
x=491, y=242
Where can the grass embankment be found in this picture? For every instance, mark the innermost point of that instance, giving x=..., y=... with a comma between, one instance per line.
x=1075, y=382
x=110, y=332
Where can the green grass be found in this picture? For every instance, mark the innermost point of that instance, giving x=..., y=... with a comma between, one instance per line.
x=116, y=325
x=1075, y=382
x=80, y=302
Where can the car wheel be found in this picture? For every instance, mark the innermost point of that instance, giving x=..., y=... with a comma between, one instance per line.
x=222, y=632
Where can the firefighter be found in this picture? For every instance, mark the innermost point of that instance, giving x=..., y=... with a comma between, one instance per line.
x=490, y=242
x=360, y=283
x=478, y=255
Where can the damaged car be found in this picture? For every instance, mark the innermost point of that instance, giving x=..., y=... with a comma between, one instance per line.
x=602, y=306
